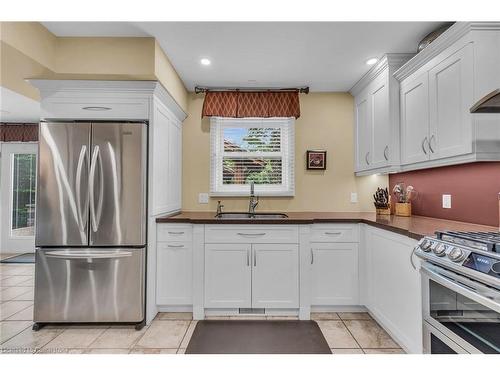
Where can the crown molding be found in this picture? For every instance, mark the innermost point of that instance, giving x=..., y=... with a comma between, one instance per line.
x=49, y=87
x=391, y=60
x=445, y=40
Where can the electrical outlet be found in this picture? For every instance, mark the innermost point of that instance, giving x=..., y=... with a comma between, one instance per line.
x=354, y=197
x=203, y=198
x=446, y=201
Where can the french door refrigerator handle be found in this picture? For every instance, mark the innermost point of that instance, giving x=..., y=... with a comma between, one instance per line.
x=95, y=214
x=81, y=160
x=95, y=255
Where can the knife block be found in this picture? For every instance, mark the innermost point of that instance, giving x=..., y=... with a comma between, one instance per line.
x=403, y=209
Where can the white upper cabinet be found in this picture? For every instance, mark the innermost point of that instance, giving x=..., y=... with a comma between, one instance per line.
x=381, y=137
x=376, y=113
x=415, y=120
x=363, y=133
x=438, y=88
x=450, y=98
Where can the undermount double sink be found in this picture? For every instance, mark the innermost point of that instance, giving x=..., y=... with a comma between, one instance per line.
x=247, y=215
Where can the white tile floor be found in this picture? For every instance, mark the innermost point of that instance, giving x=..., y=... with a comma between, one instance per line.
x=169, y=333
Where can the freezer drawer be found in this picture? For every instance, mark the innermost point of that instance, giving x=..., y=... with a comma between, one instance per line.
x=89, y=285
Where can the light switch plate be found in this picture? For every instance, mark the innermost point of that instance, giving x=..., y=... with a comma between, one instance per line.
x=446, y=201
x=203, y=198
x=354, y=197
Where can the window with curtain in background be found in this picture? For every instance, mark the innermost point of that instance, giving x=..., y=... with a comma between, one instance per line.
x=23, y=195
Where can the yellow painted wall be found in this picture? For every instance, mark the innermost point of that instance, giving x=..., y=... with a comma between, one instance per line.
x=326, y=122
x=32, y=39
x=166, y=73
x=29, y=50
x=122, y=56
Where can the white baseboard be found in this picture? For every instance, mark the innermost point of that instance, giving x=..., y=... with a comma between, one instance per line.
x=354, y=308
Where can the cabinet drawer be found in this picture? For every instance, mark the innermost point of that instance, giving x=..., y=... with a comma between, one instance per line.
x=335, y=233
x=173, y=232
x=251, y=234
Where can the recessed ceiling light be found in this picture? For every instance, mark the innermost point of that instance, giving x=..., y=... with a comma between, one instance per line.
x=205, y=61
x=371, y=61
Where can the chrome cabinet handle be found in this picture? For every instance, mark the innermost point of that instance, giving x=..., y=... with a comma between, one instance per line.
x=386, y=149
x=366, y=158
x=430, y=144
x=96, y=108
x=423, y=145
x=251, y=234
x=312, y=256
x=333, y=233
x=176, y=233
x=79, y=168
x=175, y=246
x=248, y=257
x=255, y=258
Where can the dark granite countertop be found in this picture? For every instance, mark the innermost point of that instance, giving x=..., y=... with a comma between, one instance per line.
x=415, y=226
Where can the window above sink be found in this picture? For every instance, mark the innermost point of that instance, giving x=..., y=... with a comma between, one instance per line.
x=252, y=149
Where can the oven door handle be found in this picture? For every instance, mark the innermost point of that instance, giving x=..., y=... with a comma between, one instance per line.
x=470, y=289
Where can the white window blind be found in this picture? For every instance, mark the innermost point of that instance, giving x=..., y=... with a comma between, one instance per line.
x=252, y=149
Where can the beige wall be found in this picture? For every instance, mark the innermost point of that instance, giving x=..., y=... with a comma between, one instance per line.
x=326, y=122
x=167, y=75
x=29, y=50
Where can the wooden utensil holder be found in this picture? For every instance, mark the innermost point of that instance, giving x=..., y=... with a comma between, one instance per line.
x=383, y=211
x=403, y=209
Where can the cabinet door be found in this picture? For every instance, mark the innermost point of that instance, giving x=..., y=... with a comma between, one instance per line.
x=415, y=120
x=228, y=275
x=450, y=97
x=394, y=287
x=174, y=164
x=363, y=132
x=174, y=273
x=275, y=276
x=334, y=274
x=379, y=100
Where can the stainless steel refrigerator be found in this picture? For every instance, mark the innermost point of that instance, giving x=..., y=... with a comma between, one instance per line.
x=91, y=222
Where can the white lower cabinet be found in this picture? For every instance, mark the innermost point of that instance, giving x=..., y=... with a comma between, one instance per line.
x=251, y=275
x=228, y=277
x=334, y=274
x=393, y=290
x=275, y=276
x=174, y=273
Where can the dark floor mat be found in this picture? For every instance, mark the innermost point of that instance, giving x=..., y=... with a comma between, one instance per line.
x=257, y=337
x=23, y=258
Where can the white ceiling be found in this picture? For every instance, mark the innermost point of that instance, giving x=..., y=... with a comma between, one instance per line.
x=327, y=56
x=15, y=107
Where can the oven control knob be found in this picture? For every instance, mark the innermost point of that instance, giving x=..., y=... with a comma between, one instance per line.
x=425, y=246
x=495, y=267
x=456, y=254
x=439, y=249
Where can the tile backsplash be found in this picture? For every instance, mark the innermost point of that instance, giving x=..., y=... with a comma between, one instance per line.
x=473, y=188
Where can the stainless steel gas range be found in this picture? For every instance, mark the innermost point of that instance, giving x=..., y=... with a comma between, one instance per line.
x=461, y=292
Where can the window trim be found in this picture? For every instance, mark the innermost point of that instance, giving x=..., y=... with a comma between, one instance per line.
x=287, y=189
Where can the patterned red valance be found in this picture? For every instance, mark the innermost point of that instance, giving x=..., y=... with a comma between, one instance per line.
x=18, y=132
x=251, y=104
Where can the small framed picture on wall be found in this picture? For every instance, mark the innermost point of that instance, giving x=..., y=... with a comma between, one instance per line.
x=316, y=159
